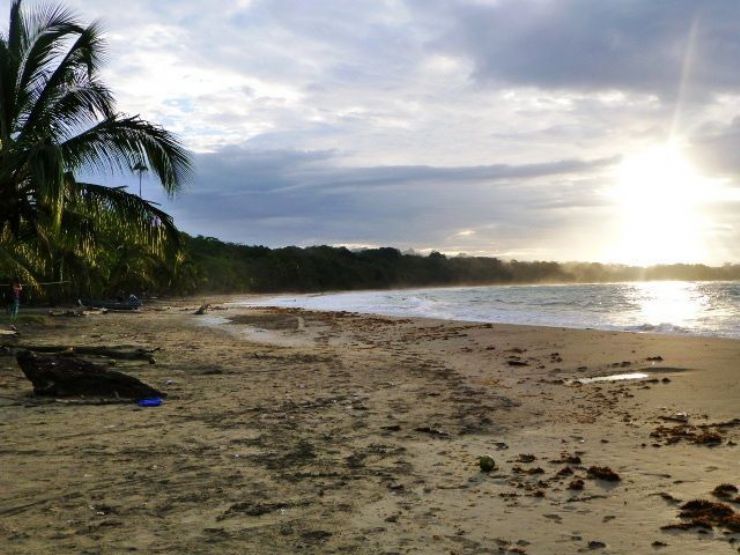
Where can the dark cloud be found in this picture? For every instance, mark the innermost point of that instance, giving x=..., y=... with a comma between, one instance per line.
x=236, y=168
x=288, y=197
x=633, y=45
x=395, y=176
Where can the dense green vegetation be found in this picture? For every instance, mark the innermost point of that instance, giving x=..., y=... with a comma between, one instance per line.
x=214, y=266
x=208, y=265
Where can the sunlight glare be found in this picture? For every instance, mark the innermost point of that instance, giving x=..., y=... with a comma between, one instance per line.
x=659, y=193
x=675, y=302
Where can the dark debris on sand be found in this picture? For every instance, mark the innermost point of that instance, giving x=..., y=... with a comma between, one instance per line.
x=701, y=513
x=603, y=473
x=702, y=434
x=728, y=492
x=253, y=509
x=567, y=458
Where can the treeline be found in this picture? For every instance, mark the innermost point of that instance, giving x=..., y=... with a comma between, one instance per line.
x=218, y=267
x=207, y=265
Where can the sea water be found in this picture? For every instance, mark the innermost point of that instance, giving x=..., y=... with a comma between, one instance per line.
x=676, y=307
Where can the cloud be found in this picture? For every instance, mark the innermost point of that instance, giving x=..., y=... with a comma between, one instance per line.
x=405, y=122
x=628, y=45
x=289, y=197
x=394, y=176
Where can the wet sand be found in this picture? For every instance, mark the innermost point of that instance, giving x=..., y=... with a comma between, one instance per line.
x=290, y=431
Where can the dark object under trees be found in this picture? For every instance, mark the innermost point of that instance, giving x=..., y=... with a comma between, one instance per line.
x=55, y=376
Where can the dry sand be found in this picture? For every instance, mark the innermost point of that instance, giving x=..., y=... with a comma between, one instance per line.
x=303, y=432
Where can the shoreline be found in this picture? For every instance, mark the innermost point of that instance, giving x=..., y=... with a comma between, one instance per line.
x=293, y=300
x=453, y=321
x=361, y=433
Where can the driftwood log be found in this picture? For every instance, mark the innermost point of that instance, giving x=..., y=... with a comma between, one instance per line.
x=72, y=377
x=120, y=353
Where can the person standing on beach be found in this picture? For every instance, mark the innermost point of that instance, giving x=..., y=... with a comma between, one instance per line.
x=15, y=298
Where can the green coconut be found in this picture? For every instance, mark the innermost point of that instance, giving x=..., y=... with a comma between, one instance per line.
x=486, y=463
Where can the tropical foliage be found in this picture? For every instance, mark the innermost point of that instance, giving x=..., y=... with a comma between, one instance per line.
x=58, y=120
x=215, y=266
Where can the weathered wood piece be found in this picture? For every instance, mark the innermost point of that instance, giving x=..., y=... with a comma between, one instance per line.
x=73, y=377
x=102, y=351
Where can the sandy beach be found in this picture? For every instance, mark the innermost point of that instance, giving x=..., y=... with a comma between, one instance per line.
x=289, y=431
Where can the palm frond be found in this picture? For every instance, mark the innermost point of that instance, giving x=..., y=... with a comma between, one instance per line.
x=118, y=143
x=80, y=106
x=17, y=259
x=76, y=68
x=46, y=29
x=17, y=31
x=46, y=178
x=131, y=212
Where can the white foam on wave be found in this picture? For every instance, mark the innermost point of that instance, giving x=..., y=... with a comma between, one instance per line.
x=659, y=328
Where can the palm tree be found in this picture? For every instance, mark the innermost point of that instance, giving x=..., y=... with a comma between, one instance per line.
x=140, y=168
x=57, y=119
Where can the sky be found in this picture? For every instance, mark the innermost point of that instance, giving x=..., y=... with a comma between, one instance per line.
x=531, y=129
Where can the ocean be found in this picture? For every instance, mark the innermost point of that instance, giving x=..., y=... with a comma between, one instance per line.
x=674, y=307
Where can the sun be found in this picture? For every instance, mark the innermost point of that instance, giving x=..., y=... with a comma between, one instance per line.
x=659, y=194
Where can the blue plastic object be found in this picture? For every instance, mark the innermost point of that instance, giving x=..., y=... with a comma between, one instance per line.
x=151, y=402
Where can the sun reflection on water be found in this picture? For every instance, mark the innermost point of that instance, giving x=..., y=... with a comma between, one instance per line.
x=676, y=302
